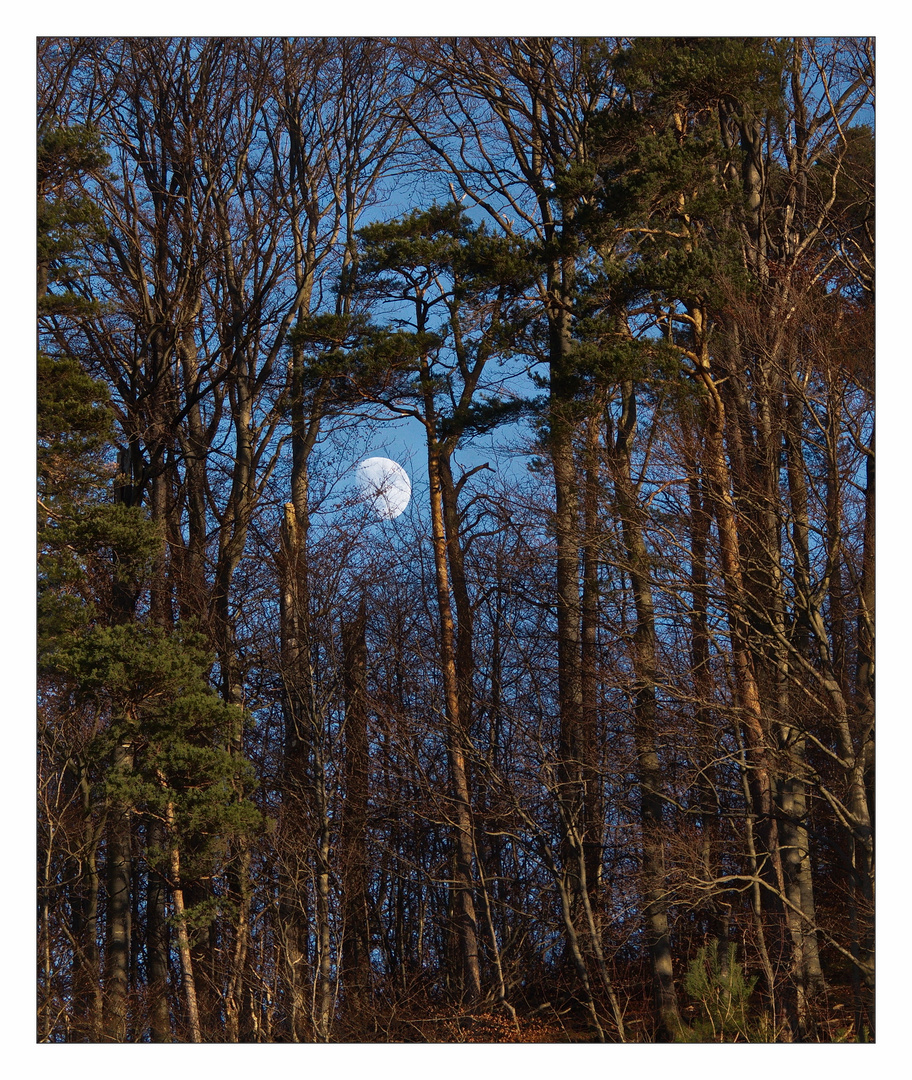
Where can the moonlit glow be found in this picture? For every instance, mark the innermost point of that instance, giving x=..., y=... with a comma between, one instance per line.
x=385, y=485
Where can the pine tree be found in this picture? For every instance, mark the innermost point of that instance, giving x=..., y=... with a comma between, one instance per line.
x=128, y=716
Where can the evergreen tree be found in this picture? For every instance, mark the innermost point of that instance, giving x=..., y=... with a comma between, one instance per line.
x=159, y=747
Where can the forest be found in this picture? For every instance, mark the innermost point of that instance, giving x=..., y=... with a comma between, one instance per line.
x=577, y=748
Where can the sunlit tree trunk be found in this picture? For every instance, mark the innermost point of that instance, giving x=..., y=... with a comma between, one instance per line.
x=180, y=918
x=756, y=733
x=457, y=737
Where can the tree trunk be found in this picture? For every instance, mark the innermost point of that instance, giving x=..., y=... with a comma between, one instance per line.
x=356, y=964
x=708, y=794
x=456, y=737
x=573, y=751
x=746, y=688
x=589, y=678
x=119, y=867
x=158, y=944
x=88, y=987
x=801, y=912
x=649, y=773
x=180, y=918
x=293, y=888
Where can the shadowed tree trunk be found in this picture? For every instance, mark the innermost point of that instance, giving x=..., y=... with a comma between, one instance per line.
x=158, y=943
x=645, y=723
x=356, y=942
x=118, y=919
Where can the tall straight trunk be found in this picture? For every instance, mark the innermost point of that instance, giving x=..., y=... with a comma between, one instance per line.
x=303, y=784
x=753, y=865
x=464, y=668
x=238, y=1025
x=232, y=539
x=180, y=917
x=495, y=854
x=569, y=629
x=88, y=987
x=746, y=688
x=293, y=913
x=707, y=780
x=865, y=673
x=801, y=913
x=118, y=849
x=860, y=778
x=325, y=959
x=763, y=617
x=864, y=679
x=193, y=590
x=239, y=1021
x=118, y=918
x=457, y=737
x=645, y=722
x=95, y=991
x=573, y=751
x=806, y=975
x=838, y=620
x=157, y=934
x=158, y=944
x=465, y=838
x=305, y=794
x=463, y=654
x=356, y=966
x=589, y=683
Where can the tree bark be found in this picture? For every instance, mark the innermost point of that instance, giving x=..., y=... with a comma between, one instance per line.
x=180, y=917
x=356, y=942
x=158, y=944
x=118, y=918
x=457, y=737
x=293, y=889
x=645, y=723
x=757, y=736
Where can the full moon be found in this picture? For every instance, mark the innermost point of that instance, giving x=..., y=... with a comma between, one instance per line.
x=385, y=485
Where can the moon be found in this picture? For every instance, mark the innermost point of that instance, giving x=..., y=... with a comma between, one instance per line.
x=385, y=485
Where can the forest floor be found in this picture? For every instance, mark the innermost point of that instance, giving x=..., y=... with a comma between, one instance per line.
x=832, y=1017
